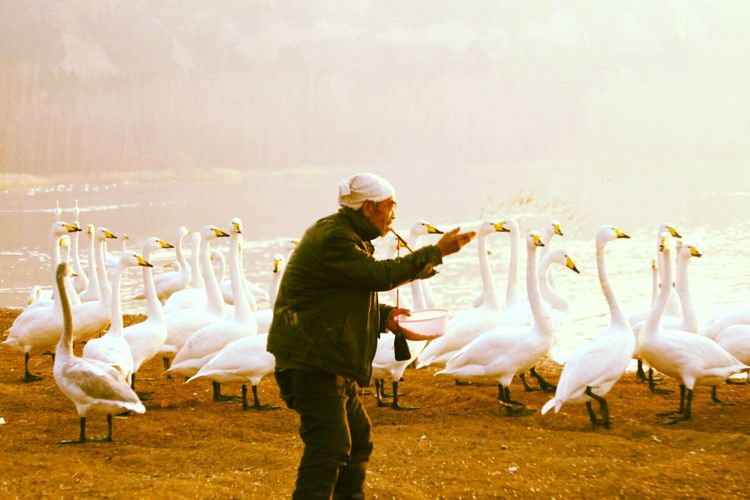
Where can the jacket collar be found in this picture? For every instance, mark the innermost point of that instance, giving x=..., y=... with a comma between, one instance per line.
x=361, y=224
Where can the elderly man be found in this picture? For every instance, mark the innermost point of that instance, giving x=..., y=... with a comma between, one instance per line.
x=325, y=328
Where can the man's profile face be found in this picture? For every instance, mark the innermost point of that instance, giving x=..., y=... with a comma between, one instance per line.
x=381, y=213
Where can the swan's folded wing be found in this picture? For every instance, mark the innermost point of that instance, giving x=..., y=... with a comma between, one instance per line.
x=98, y=383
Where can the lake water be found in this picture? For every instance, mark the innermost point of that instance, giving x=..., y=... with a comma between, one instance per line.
x=709, y=208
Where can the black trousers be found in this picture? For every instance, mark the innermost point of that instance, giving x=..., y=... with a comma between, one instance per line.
x=335, y=430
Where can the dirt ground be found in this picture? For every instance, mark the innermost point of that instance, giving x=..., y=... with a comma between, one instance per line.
x=459, y=444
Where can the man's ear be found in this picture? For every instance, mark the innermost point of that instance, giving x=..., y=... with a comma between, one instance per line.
x=366, y=207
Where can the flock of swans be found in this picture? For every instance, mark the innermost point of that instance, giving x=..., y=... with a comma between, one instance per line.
x=205, y=328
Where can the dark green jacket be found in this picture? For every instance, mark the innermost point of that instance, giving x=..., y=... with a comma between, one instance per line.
x=327, y=314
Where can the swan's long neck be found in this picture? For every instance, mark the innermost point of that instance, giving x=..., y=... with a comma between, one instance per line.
x=541, y=318
x=654, y=284
x=652, y=323
x=93, y=273
x=184, y=266
x=196, y=279
x=115, y=319
x=214, y=299
x=64, y=348
x=511, y=293
x=546, y=273
x=548, y=293
x=273, y=287
x=155, y=311
x=76, y=259
x=242, y=309
x=56, y=259
x=417, y=294
x=690, y=321
x=248, y=295
x=106, y=290
x=617, y=316
x=489, y=293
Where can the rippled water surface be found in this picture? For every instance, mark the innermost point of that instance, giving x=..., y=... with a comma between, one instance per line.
x=711, y=214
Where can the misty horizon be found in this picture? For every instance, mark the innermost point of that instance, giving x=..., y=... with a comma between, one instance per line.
x=162, y=85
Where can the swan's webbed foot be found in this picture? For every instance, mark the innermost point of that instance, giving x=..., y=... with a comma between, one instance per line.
x=256, y=401
x=526, y=386
x=545, y=386
x=30, y=377
x=652, y=381
x=715, y=399
x=603, y=407
x=145, y=396
x=394, y=404
x=219, y=398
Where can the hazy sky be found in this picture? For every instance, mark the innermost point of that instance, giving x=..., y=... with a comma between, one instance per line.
x=92, y=85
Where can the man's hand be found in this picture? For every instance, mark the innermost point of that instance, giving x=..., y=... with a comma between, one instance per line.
x=452, y=241
x=396, y=328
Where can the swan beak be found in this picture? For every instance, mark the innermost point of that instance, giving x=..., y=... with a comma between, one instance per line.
x=571, y=265
x=276, y=265
x=221, y=234
x=237, y=227
x=673, y=232
x=500, y=227
x=538, y=240
x=125, y=236
x=558, y=231
x=432, y=229
x=620, y=234
x=694, y=252
x=295, y=242
x=143, y=262
x=653, y=264
x=108, y=234
x=72, y=228
x=164, y=244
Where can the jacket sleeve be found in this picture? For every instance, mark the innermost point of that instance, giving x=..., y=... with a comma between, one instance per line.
x=354, y=266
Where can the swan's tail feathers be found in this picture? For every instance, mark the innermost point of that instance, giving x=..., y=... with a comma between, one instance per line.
x=550, y=404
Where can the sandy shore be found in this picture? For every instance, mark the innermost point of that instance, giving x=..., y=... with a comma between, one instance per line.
x=459, y=444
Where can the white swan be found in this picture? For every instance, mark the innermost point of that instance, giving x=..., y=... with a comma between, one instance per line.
x=553, y=229
x=504, y=351
x=111, y=348
x=182, y=323
x=37, y=329
x=595, y=367
x=208, y=341
x=416, y=231
x=168, y=283
x=691, y=359
x=93, y=317
x=396, y=296
x=736, y=340
x=468, y=325
x=688, y=321
x=243, y=361
x=112, y=258
x=81, y=280
x=673, y=308
x=263, y=317
x=92, y=386
x=517, y=310
x=145, y=338
x=93, y=291
x=195, y=293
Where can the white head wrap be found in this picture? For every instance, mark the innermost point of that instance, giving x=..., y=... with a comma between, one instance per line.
x=360, y=187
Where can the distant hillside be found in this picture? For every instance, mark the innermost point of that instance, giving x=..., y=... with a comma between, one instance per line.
x=116, y=84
